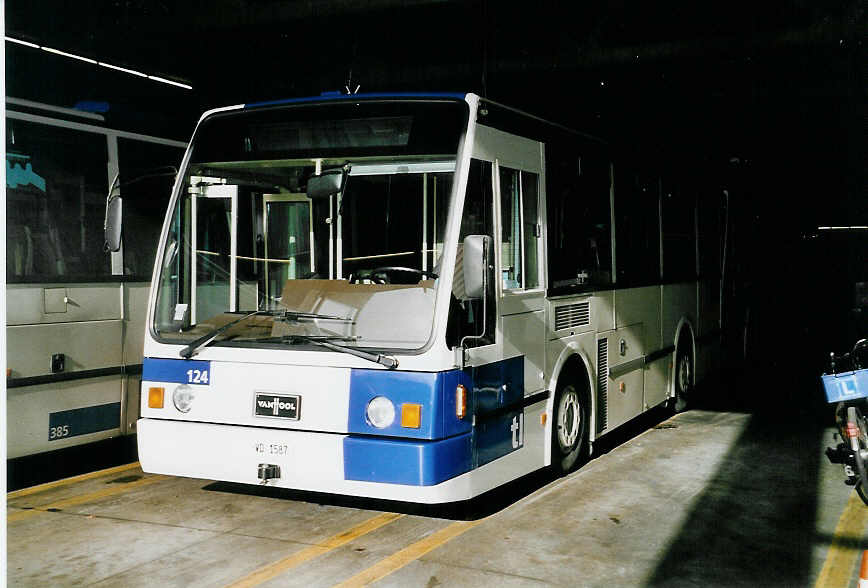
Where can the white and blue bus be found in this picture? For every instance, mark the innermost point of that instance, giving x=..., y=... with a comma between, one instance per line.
x=415, y=297
x=75, y=313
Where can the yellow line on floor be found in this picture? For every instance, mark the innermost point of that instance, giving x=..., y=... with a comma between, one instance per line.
x=398, y=560
x=841, y=559
x=83, y=498
x=269, y=571
x=72, y=480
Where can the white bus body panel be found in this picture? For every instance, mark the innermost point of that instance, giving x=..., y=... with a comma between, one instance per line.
x=30, y=409
x=229, y=396
x=640, y=306
x=312, y=461
x=678, y=302
x=98, y=329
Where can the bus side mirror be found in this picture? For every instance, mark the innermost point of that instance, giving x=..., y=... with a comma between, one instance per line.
x=112, y=227
x=325, y=185
x=476, y=248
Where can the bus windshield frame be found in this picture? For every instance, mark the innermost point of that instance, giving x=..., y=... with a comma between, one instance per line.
x=243, y=235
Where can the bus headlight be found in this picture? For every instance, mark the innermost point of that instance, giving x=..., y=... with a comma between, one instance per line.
x=380, y=412
x=183, y=397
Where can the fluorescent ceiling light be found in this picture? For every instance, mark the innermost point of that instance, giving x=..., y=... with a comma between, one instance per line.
x=123, y=69
x=95, y=62
x=20, y=42
x=165, y=81
x=70, y=55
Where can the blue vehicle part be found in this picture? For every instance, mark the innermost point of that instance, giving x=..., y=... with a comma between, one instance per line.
x=443, y=446
x=404, y=461
x=846, y=385
x=179, y=371
x=434, y=391
x=498, y=394
x=83, y=421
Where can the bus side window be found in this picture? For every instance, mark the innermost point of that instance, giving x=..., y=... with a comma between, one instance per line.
x=578, y=189
x=679, y=233
x=145, y=199
x=531, y=228
x=465, y=315
x=710, y=206
x=55, y=201
x=637, y=227
x=519, y=205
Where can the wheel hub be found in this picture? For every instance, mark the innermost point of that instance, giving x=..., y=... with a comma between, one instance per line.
x=569, y=421
x=684, y=373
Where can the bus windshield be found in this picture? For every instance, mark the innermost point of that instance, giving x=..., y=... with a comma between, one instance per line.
x=358, y=268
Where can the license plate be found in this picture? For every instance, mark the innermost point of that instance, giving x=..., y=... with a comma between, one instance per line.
x=272, y=449
x=278, y=406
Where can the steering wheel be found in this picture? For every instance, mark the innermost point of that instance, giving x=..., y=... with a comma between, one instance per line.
x=357, y=277
x=396, y=268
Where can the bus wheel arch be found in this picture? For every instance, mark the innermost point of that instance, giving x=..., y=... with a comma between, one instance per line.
x=570, y=440
x=683, y=366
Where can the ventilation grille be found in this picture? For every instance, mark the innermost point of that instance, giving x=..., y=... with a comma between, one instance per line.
x=572, y=315
x=602, y=385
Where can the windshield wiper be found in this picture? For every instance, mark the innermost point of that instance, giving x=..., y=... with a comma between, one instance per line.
x=290, y=339
x=385, y=360
x=290, y=315
x=294, y=315
x=194, y=346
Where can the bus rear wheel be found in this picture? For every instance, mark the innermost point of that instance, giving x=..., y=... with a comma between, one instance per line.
x=683, y=379
x=569, y=443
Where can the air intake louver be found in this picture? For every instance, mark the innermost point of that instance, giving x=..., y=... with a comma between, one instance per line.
x=602, y=385
x=572, y=315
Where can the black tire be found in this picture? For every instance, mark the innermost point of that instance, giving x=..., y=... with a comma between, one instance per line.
x=863, y=494
x=569, y=442
x=855, y=415
x=684, y=378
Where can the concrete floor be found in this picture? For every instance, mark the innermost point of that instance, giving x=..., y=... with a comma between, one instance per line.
x=710, y=497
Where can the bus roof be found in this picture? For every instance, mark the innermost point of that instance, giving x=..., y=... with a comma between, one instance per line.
x=337, y=96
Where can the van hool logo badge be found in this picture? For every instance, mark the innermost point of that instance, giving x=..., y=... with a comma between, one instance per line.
x=277, y=406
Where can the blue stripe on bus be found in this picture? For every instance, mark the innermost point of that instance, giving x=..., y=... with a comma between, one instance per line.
x=402, y=461
x=498, y=389
x=178, y=371
x=82, y=421
x=350, y=97
x=443, y=446
x=434, y=391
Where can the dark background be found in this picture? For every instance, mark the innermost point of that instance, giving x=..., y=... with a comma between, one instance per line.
x=770, y=97
x=767, y=99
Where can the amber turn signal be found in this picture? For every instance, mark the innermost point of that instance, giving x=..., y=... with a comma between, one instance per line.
x=155, y=397
x=460, y=401
x=411, y=415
